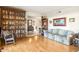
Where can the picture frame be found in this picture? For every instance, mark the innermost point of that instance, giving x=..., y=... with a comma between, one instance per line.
x=71, y=19
x=50, y=21
x=59, y=21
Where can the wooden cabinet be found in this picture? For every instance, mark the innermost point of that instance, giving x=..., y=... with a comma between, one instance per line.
x=1, y=43
x=44, y=22
x=0, y=17
x=13, y=20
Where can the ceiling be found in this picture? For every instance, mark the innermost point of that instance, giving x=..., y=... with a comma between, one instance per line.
x=47, y=10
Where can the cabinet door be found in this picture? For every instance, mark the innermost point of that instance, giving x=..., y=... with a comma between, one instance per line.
x=45, y=24
x=0, y=42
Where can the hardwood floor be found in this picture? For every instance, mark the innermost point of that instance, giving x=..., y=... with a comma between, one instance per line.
x=38, y=44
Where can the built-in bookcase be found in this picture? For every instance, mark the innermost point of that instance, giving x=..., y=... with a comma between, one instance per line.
x=13, y=20
x=44, y=22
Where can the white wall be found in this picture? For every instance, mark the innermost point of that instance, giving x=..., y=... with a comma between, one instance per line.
x=68, y=13
x=73, y=26
x=36, y=18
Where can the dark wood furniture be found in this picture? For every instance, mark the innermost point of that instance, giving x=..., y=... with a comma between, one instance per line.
x=44, y=20
x=1, y=43
x=30, y=28
x=13, y=20
x=76, y=40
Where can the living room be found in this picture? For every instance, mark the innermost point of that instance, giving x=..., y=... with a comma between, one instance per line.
x=41, y=26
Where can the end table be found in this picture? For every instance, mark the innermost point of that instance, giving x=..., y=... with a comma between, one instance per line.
x=76, y=42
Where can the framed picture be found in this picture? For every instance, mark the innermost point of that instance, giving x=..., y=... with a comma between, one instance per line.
x=59, y=21
x=50, y=21
x=71, y=19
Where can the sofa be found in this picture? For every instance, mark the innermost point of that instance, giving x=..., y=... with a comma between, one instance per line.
x=59, y=35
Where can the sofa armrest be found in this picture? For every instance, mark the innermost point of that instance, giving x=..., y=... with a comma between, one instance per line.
x=70, y=35
x=45, y=33
x=70, y=38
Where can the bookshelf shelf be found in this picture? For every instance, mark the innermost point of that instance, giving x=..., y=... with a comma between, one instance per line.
x=13, y=20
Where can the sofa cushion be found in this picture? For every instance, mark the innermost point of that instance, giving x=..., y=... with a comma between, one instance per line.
x=63, y=32
x=50, y=36
x=70, y=32
x=50, y=31
x=55, y=31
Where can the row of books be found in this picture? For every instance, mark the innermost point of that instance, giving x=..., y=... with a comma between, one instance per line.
x=5, y=27
x=20, y=31
x=20, y=22
x=13, y=12
x=20, y=27
x=11, y=22
x=8, y=22
x=12, y=27
x=20, y=35
x=13, y=17
x=18, y=17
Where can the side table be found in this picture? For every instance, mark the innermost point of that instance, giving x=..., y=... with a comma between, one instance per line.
x=72, y=37
x=76, y=42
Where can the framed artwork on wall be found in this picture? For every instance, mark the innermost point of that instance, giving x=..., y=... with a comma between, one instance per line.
x=59, y=21
x=50, y=21
x=71, y=19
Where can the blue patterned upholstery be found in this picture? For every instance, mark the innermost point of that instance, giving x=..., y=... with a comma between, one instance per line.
x=50, y=31
x=59, y=35
x=55, y=31
x=63, y=32
x=46, y=33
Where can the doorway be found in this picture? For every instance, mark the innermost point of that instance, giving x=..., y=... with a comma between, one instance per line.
x=30, y=27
